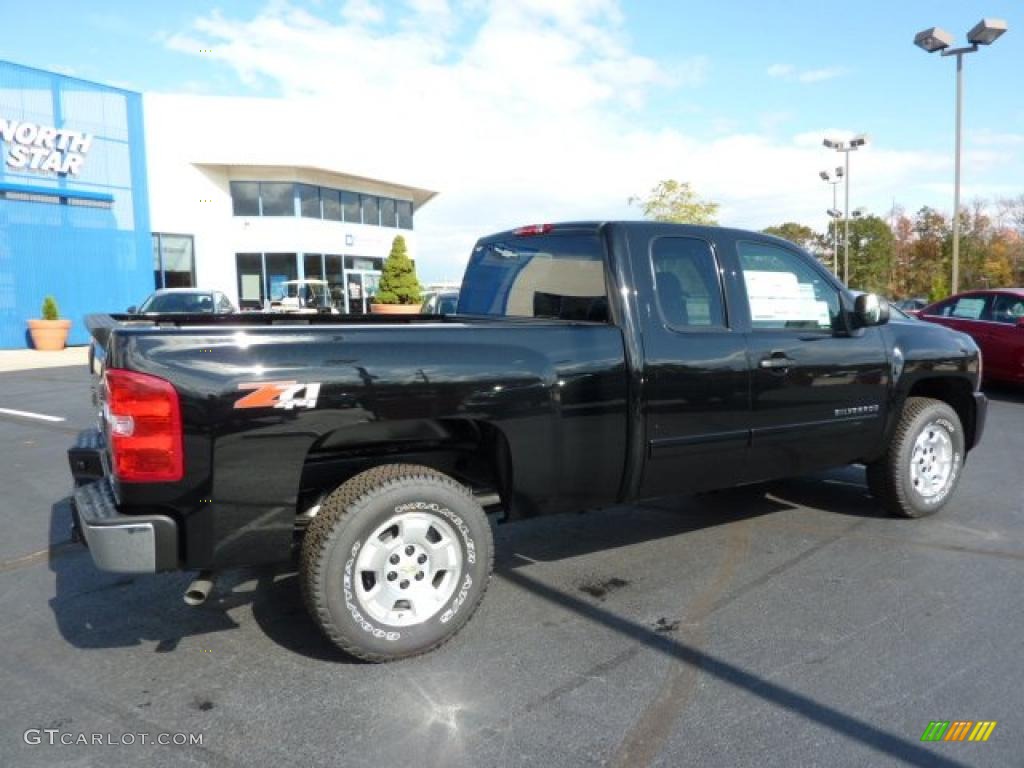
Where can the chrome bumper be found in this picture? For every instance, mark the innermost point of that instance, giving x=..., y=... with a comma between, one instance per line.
x=124, y=543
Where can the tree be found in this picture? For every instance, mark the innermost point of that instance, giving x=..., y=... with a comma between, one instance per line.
x=871, y=249
x=930, y=260
x=676, y=201
x=398, y=283
x=805, y=237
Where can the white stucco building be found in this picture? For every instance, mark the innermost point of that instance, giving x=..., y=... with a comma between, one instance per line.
x=247, y=193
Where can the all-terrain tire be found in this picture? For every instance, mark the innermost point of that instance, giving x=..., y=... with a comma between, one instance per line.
x=893, y=481
x=333, y=587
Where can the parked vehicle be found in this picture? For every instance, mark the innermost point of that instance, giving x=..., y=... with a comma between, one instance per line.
x=170, y=301
x=911, y=305
x=304, y=297
x=190, y=301
x=440, y=303
x=995, y=320
x=589, y=364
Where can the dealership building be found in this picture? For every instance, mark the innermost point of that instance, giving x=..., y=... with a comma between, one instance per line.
x=106, y=194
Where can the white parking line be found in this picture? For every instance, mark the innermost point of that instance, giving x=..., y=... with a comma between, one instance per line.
x=30, y=415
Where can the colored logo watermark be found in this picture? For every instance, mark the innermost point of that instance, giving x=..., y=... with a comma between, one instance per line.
x=958, y=730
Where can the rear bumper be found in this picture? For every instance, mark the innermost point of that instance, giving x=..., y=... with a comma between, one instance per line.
x=980, y=415
x=124, y=543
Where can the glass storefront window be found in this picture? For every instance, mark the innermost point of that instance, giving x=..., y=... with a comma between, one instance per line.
x=309, y=201
x=332, y=203
x=350, y=202
x=336, y=280
x=281, y=267
x=250, y=280
x=173, y=261
x=371, y=209
x=313, y=266
x=277, y=198
x=245, y=198
x=388, y=215
x=404, y=211
x=158, y=278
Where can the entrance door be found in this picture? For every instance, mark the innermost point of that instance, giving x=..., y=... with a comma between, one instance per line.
x=355, y=293
x=818, y=389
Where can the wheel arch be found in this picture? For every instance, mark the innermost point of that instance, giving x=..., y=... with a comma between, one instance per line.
x=473, y=452
x=957, y=392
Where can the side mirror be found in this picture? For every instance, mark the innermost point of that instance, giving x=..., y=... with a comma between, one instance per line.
x=132, y=309
x=871, y=309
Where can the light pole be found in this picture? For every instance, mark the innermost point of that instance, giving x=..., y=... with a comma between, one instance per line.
x=835, y=224
x=846, y=147
x=933, y=39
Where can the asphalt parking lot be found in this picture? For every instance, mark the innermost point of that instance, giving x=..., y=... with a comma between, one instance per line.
x=790, y=624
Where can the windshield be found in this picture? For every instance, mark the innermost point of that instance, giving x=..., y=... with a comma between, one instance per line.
x=178, y=302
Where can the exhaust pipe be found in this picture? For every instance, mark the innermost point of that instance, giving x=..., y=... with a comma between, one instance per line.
x=200, y=588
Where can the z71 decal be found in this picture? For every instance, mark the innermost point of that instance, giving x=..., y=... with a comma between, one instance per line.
x=279, y=394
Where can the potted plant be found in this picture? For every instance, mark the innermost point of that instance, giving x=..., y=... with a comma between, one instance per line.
x=399, y=290
x=50, y=333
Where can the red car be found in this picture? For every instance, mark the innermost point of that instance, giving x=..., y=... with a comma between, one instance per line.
x=995, y=320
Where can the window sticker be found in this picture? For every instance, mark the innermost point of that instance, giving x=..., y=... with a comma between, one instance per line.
x=778, y=298
x=969, y=309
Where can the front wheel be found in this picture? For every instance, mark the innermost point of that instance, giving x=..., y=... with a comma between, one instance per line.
x=395, y=562
x=921, y=469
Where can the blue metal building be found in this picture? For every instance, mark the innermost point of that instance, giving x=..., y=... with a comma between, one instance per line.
x=74, y=210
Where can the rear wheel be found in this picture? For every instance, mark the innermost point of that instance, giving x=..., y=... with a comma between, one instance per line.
x=395, y=562
x=921, y=469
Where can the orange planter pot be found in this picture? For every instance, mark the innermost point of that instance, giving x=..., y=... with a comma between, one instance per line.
x=395, y=309
x=49, y=335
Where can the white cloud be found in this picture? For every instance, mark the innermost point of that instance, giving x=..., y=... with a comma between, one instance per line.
x=780, y=70
x=532, y=112
x=362, y=12
x=820, y=75
x=789, y=72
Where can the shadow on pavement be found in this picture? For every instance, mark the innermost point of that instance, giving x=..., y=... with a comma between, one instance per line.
x=94, y=609
x=1004, y=393
x=772, y=693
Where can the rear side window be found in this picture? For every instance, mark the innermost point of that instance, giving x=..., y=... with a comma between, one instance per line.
x=1007, y=308
x=686, y=283
x=785, y=292
x=968, y=308
x=556, y=276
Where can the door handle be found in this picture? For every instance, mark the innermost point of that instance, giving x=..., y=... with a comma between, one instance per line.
x=776, y=361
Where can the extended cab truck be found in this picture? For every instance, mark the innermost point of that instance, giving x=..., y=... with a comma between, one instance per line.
x=588, y=364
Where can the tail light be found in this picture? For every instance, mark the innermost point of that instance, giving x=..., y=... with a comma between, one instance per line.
x=533, y=229
x=144, y=427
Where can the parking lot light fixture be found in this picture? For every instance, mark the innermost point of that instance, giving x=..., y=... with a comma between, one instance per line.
x=986, y=32
x=933, y=39
x=846, y=147
x=834, y=223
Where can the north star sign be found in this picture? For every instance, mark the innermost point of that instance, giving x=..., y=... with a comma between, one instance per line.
x=41, y=148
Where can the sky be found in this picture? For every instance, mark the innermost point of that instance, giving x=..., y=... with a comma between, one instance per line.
x=520, y=111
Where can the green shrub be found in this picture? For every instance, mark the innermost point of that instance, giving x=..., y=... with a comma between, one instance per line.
x=50, y=308
x=398, y=283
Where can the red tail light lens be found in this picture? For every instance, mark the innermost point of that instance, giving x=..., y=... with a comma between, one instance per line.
x=533, y=229
x=144, y=427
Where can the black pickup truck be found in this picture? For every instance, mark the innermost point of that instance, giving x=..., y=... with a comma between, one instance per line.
x=588, y=364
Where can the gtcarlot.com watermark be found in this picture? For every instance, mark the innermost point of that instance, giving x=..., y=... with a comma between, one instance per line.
x=56, y=737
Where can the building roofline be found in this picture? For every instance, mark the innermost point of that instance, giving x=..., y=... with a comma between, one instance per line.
x=419, y=195
x=53, y=73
